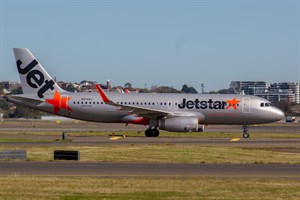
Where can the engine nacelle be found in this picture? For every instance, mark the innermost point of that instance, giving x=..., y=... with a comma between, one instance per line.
x=179, y=124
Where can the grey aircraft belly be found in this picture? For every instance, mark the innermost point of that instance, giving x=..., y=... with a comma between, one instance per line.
x=171, y=112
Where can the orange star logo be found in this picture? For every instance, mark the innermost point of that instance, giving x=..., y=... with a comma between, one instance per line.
x=59, y=102
x=232, y=103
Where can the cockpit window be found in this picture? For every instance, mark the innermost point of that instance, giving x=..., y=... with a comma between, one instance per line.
x=265, y=104
x=262, y=105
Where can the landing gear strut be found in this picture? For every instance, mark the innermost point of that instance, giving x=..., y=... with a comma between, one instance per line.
x=245, y=131
x=152, y=132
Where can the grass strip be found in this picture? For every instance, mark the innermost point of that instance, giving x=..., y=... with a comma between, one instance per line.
x=167, y=153
x=22, y=140
x=69, y=188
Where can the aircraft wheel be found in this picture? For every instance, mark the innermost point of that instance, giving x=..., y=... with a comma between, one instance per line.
x=155, y=133
x=149, y=133
x=246, y=135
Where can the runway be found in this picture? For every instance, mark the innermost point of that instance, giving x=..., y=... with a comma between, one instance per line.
x=115, y=169
x=99, y=169
x=77, y=126
x=106, y=140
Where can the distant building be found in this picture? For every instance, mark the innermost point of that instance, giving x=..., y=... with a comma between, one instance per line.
x=287, y=91
x=5, y=84
x=10, y=85
x=248, y=87
x=274, y=92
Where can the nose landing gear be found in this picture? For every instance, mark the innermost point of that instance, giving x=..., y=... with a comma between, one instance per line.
x=245, y=131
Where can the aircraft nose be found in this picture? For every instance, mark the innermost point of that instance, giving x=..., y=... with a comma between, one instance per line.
x=278, y=114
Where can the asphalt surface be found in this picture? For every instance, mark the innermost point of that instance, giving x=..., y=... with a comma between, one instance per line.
x=62, y=168
x=75, y=126
x=106, y=140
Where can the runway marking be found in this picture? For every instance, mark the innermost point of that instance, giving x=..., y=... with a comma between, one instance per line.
x=114, y=138
x=235, y=139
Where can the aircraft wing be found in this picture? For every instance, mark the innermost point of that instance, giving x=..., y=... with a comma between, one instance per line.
x=145, y=112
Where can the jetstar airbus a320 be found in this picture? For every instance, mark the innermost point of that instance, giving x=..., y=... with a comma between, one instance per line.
x=171, y=112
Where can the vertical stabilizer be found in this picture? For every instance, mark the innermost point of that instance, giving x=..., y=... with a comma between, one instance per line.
x=34, y=78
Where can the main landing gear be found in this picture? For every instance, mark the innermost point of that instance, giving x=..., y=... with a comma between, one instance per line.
x=152, y=132
x=245, y=131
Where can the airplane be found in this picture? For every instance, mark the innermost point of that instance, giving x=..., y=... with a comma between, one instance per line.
x=171, y=112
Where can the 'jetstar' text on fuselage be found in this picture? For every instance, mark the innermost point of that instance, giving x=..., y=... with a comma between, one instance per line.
x=196, y=104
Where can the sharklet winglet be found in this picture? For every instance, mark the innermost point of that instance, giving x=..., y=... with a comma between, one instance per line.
x=103, y=95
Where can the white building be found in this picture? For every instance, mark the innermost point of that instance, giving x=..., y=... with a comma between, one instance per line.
x=275, y=92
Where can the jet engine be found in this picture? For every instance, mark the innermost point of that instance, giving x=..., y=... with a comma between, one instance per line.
x=179, y=124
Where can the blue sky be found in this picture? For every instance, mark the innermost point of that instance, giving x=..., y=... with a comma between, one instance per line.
x=155, y=42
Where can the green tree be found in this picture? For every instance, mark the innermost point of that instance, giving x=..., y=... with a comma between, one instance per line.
x=144, y=90
x=164, y=89
x=128, y=85
x=223, y=91
x=71, y=88
x=192, y=90
x=17, y=91
x=187, y=89
x=1, y=89
x=213, y=92
x=285, y=106
x=24, y=112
